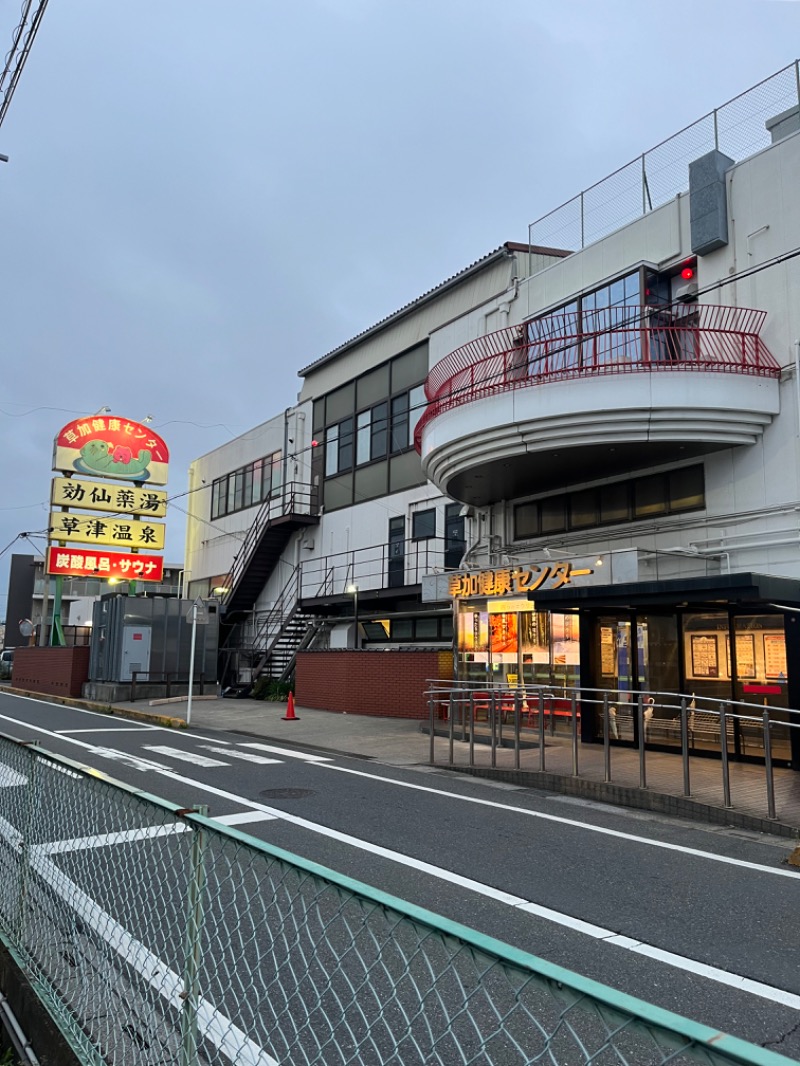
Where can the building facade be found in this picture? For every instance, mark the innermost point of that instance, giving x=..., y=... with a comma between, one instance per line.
x=30, y=600
x=603, y=488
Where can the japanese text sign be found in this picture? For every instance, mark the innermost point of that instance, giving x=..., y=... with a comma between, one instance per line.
x=119, y=532
x=121, y=565
x=117, y=499
x=105, y=446
x=512, y=580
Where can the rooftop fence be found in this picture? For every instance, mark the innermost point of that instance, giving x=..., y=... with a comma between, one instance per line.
x=739, y=129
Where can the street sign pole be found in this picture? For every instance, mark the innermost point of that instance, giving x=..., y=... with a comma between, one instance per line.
x=191, y=664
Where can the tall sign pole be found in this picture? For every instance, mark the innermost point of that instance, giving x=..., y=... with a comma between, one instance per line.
x=198, y=616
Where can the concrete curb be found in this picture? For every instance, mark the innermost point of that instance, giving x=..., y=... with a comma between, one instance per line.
x=626, y=796
x=102, y=708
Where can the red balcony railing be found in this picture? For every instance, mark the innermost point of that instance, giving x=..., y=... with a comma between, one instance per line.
x=606, y=341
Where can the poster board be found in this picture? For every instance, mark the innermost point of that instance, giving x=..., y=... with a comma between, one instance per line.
x=705, y=655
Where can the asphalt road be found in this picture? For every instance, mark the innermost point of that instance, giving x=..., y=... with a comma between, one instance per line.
x=698, y=920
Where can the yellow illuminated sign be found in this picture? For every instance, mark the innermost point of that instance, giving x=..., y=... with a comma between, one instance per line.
x=120, y=532
x=509, y=581
x=116, y=499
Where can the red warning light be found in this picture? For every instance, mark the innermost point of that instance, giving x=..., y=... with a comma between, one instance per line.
x=687, y=273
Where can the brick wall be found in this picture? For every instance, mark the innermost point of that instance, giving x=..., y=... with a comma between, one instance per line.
x=54, y=671
x=390, y=684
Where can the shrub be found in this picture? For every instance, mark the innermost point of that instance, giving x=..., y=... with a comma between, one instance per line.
x=267, y=688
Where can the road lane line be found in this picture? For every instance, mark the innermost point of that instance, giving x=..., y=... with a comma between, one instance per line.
x=10, y=778
x=212, y=1023
x=184, y=756
x=325, y=763
x=105, y=840
x=289, y=754
x=246, y=756
x=107, y=729
x=602, y=830
x=245, y=817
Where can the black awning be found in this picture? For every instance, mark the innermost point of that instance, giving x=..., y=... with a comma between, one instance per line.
x=713, y=592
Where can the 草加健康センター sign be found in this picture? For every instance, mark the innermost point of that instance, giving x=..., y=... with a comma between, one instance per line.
x=110, y=447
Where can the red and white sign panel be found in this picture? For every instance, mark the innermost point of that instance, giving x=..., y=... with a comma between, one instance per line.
x=112, y=447
x=125, y=566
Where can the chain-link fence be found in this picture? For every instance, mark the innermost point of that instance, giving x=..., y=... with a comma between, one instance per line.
x=739, y=128
x=157, y=936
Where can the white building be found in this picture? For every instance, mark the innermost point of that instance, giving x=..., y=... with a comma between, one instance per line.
x=609, y=450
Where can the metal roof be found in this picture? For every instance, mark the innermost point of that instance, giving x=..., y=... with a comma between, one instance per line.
x=479, y=264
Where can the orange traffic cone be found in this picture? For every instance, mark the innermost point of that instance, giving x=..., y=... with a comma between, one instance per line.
x=290, y=716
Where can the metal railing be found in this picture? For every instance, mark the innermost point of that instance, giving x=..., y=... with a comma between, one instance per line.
x=295, y=498
x=696, y=337
x=738, y=129
x=523, y=718
x=167, y=679
x=154, y=934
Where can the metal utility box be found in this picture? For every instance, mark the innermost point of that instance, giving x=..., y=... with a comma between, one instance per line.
x=135, y=651
x=151, y=637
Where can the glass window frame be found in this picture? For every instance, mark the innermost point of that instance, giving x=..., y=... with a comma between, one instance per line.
x=422, y=520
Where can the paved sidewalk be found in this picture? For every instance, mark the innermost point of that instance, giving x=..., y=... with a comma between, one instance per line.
x=406, y=742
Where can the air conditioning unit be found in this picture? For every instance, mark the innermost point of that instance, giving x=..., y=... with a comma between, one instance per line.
x=685, y=291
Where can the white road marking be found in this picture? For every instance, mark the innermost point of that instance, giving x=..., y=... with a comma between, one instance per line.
x=288, y=754
x=10, y=778
x=184, y=756
x=121, y=756
x=607, y=936
x=247, y=756
x=109, y=729
x=244, y=817
x=632, y=837
x=212, y=1024
x=107, y=840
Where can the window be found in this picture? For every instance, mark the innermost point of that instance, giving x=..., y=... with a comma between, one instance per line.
x=246, y=487
x=558, y=340
x=397, y=552
x=650, y=496
x=339, y=447
x=399, y=422
x=417, y=403
x=635, y=499
x=423, y=524
x=370, y=422
x=454, y=543
x=686, y=489
x=526, y=521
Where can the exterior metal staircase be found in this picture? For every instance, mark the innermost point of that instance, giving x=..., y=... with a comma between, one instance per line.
x=277, y=519
x=268, y=646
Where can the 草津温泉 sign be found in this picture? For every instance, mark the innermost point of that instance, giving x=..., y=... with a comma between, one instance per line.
x=119, y=532
x=124, y=566
x=110, y=447
x=117, y=499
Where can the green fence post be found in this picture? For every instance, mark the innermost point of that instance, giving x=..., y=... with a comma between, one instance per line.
x=194, y=932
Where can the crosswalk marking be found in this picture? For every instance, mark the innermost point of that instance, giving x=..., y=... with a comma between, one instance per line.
x=185, y=756
x=247, y=756
x=287, y=754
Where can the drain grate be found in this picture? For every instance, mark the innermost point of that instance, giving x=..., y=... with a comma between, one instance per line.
x=287, y=793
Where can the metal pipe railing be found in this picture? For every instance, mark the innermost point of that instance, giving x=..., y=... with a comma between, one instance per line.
x=713, y=726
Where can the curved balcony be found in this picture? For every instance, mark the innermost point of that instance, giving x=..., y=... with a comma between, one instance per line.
x=574, y=397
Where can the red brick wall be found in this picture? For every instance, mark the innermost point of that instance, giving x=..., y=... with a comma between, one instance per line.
x=54, y=671
x=390, y=684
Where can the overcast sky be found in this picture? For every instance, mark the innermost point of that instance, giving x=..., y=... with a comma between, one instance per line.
x=203, y=197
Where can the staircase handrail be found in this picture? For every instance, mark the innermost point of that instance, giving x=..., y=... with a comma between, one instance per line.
x=289, y=593
x=294, y=493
